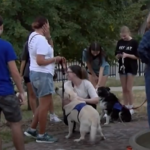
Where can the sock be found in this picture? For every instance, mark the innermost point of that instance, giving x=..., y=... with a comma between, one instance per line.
x=41, y=135
x=31, y=129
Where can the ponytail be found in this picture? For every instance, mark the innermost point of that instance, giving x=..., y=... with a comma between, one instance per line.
x=84, y=73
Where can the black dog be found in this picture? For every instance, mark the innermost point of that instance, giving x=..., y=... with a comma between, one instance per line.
x=111, y=106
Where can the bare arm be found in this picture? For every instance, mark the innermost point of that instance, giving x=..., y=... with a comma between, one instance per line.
x=22, y=67
x=90, y=68
x=41, y=61
x=100, y=75
x=131, y=56
x=15, y=75
x=94, y=100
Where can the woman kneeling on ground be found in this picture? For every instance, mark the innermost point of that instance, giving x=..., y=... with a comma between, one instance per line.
x=77, y=77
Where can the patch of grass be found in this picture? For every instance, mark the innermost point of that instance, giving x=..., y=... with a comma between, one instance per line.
x=112, y=82
x=5, y=133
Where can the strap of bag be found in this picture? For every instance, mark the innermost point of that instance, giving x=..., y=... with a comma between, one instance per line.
x=28, y=45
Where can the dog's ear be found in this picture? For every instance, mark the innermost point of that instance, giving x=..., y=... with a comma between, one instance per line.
x=108, y=89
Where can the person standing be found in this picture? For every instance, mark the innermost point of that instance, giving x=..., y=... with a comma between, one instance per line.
x=144, y=54
x=24, y=72
x=9, y=102
x=126, y=53
x=42, y=65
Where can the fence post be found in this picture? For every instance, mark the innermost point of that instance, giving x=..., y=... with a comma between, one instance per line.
x=117, y=74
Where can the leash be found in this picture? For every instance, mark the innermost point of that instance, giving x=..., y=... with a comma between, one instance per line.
x=63, y=65
x=140, y=105
x=123, y=66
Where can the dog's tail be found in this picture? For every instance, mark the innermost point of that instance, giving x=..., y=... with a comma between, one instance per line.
x=94, y=127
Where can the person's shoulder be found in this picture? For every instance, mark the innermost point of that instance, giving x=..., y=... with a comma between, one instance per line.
x=87, y=82
x=5, y=43
x=36, y=36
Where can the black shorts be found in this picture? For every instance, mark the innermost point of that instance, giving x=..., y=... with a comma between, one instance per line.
x=10, y=107
x=26, y=80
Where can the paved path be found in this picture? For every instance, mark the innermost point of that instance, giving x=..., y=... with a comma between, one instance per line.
x=117, y=135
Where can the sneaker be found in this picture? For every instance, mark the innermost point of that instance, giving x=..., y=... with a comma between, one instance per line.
x=131, y=111
x=46, y=139
x=54, y=118
x=30, y=133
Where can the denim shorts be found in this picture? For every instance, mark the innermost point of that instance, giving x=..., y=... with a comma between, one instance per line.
x=10, y=107
x=126, y=74
x=106, y=71
x=42, y=83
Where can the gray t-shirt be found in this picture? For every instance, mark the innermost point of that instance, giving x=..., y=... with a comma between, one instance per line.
x=84, y=90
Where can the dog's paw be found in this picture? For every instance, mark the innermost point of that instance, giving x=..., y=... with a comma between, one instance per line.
x=106, y=123
x=77, y=140
x=67, y=136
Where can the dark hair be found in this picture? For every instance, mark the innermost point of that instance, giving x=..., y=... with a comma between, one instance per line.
x=1, y=20
x=95, y=46
x=39, y=22
x=79, y=71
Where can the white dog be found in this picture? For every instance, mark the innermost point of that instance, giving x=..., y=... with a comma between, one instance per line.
x=79, y=112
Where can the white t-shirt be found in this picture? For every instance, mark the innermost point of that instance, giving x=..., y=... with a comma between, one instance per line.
x=84, y=90
x=39, y=45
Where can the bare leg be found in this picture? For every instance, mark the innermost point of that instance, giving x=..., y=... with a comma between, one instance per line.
x=123, y=80
x=91, y=79
x=130, y=79
x=32, y=98
x=17, y=136
x=44, y=106
x=51, y=109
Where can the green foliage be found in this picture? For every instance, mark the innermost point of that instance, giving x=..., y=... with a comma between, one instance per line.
x=74, y=24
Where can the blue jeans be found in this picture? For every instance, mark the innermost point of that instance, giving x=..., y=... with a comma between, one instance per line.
x=147, y=86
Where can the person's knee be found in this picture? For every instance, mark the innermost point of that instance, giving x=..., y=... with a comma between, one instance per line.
x=15, y=125
x=124, y=89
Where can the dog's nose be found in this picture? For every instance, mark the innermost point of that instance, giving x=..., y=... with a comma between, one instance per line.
x=56, y=89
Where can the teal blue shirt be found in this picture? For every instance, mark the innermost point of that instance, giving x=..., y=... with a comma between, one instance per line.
x=95, y=64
